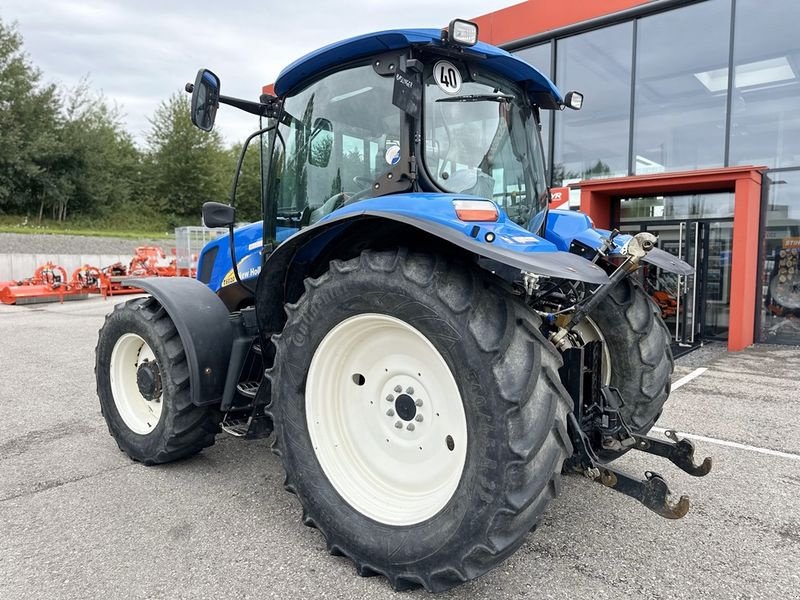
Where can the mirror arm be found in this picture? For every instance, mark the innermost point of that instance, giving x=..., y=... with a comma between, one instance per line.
x=268, y=109
x=240, y=162
x=236, y=174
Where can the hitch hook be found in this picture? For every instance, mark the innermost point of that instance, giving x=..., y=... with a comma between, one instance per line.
x=653, y=492
x=679, y=452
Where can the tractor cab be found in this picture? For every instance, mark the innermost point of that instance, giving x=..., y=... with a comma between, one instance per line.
x=443, y=125
x=396, y=112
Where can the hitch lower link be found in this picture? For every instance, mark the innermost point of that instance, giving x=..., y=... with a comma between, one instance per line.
x=597, y=415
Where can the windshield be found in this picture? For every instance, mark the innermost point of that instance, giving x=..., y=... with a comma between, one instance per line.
x=481, y=138
x=335, y=138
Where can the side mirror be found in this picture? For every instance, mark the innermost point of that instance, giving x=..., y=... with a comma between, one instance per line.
x=216, y=214
x=573, y=100
x=205, y=99
x=320, y=143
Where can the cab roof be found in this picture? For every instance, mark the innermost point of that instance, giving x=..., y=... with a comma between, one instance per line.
x=541, y=90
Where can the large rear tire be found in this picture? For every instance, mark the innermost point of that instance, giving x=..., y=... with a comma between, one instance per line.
x=139, y=348
x=637, y=355
x=419, y=417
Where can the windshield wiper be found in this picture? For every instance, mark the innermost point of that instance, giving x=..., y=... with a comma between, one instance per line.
x=478, y=98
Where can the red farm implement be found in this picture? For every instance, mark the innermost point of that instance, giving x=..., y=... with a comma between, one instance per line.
x=50, y=283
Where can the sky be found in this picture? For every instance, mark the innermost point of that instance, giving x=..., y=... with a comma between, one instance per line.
x=139, y=52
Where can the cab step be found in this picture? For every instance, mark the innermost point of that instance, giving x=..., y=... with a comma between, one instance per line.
x=235, y=426
x=243, y=424
x=248, y=389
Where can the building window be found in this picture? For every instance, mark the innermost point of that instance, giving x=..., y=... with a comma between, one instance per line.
x=780, y=282
x=541, y=57
x=765, y=123
x=593, y=142
x=680, y=101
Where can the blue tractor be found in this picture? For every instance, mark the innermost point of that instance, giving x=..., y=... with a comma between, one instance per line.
x=430, y=346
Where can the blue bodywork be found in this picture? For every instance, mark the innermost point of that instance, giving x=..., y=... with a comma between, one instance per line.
x=562, y=228
x=248, y=241
x=542, y=91
x=566, y=226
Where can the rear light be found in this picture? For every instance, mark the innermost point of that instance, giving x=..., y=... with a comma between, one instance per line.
x=476, y=210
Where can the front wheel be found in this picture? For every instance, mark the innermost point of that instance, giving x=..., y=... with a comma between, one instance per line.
x=143, y=386
x=419, y=417
x=637, y=358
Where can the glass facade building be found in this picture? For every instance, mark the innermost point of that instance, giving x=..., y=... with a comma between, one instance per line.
x=660, y=99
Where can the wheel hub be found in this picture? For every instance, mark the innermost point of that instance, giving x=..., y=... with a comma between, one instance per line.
x=136, y=383
x=148, y=380
x=407, y=410
x=405, y=407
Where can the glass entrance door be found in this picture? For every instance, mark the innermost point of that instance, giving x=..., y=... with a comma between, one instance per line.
x=695, y=308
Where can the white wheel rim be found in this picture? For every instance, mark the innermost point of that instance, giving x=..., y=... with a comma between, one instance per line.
x=395, y=475
x=588, y=331
x=139, y=414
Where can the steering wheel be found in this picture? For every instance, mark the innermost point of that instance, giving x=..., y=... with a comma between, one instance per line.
x=341, y=199
x=364, y=182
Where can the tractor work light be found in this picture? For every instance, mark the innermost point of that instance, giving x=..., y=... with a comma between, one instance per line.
x=476, y=210
x=573, y=100
x=463, y=33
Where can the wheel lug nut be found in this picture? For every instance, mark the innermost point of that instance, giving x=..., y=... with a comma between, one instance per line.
x=410, y=427
x=409, y=390
x=418, y=418
x=398, y=389
x=390, y=413
x=418, y=402
x=390, y=398
x=399, y=425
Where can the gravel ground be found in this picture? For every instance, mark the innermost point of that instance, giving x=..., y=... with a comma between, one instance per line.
x=43, y=243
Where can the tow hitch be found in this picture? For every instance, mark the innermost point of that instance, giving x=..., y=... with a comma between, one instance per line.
x=597, y=424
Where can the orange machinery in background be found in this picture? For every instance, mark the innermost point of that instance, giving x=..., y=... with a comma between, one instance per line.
x=49, y=282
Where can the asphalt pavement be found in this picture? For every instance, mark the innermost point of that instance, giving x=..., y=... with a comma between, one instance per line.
x=78, y=519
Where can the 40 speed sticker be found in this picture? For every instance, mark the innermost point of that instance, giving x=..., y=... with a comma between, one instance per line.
x=447, y=77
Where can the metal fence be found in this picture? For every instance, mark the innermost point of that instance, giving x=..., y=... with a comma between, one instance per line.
x=189, y=241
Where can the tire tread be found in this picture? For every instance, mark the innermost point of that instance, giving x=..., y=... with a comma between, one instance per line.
x=526, y=367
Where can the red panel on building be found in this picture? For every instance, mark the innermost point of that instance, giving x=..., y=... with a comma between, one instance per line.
x=536, y=16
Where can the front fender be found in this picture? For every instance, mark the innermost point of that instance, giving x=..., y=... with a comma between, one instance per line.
x=203, y=324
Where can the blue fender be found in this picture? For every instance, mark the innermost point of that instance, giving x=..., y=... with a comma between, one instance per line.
x=203, y=324
x=502, y=241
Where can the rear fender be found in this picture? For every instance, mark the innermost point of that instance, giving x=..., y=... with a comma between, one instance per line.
x=204, y=325
x=283, y=272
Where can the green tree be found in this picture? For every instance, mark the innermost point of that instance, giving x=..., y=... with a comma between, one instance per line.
x=101, y=166
x=28, y=126
x=187, y=166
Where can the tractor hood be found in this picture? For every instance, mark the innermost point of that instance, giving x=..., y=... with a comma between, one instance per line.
x=541, y=90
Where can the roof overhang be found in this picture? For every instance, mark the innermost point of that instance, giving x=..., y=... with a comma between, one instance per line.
x=540, y=89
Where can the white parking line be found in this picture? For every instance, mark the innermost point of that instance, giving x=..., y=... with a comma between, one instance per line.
x=687, y=378
x=737, y=445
